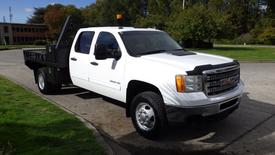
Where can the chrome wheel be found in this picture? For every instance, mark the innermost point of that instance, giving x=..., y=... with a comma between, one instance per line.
x=145, y=116
x=41, y=81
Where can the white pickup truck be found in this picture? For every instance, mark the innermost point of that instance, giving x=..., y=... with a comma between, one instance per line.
x=158, y=81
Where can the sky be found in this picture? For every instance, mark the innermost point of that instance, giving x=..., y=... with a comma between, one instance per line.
x=22, y=9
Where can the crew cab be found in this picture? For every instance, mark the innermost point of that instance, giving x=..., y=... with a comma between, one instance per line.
x=158, y=80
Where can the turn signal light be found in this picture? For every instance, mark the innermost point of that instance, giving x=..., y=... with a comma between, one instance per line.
x=180, y=83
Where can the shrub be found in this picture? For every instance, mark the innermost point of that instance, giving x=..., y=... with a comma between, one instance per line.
x=223, y=41
x=247, y=38
x=7, y=149
x=40, y=42
x=268, y=36
x=189, y=43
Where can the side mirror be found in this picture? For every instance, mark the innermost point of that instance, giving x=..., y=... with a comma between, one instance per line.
x=103, y=52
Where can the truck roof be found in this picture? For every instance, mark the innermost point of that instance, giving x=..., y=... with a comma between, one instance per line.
x=117, y=29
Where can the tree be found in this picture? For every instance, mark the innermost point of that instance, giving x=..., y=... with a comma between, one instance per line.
x=193, y=24
x=176, y=7
x=200, y=20
x=159, y=12
x=38, y=16
x=54, y=18
x=264, y=30
x=224, y=26
x=216, y=6
x=91, y=15
x=103, y=12
x=159, y=7
x=76, y=13
x=153, y=21
x=242, y=14
x=271, y=8
x=56, y=15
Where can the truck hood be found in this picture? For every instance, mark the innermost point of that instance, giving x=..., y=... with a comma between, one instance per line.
x=188, y=62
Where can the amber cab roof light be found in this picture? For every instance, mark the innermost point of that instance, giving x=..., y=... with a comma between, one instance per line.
x=119, y=18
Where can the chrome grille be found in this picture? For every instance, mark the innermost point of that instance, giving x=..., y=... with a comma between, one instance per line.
x=221, y=80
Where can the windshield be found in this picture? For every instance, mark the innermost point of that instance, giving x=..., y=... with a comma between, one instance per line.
x=140, y=43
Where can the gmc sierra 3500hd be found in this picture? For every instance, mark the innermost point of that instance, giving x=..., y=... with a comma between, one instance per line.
x=146, y=69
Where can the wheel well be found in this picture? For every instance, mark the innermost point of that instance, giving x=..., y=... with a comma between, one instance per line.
x=35, y=70
x=34, y=66
x=135, y=87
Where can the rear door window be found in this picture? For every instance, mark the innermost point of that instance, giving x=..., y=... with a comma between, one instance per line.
x=84, y=42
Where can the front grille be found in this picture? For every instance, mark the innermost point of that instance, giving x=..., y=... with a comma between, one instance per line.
x=221, y=80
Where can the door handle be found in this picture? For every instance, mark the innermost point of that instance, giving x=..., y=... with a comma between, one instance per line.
x=94, y=63
x=73, y=59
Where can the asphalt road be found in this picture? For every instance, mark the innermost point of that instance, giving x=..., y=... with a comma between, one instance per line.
x=249, y=130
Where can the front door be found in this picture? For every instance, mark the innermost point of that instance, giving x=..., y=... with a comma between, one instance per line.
x=107, y=75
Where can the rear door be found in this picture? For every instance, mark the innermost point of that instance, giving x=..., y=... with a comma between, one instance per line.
x=79, y=58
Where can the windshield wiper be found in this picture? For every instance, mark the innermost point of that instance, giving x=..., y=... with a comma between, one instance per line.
x=153, y=52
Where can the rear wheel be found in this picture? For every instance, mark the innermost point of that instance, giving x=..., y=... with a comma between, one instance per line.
x=43, y=83
x=148, y=114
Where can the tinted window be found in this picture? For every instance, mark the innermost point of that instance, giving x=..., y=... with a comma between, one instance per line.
x=6, y=29
x=144, y=42
x=107, y=39
x=84, y=41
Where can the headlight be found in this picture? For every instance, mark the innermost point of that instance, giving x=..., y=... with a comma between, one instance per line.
x=188, y=83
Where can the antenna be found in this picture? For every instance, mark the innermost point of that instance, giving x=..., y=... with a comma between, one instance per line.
x=10, y=14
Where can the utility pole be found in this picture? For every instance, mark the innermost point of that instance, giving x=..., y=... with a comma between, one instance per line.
x=4, y=19
x=10, y=14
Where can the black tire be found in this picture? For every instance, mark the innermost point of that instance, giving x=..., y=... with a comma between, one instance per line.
x=43, y=83
x=160, y=120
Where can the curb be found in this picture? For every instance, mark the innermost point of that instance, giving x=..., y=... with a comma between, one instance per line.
x=99, y=138
x=257, y=61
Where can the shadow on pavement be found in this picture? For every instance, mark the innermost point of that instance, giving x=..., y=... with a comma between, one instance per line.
x=80, y=92
x=86, y=95
x=67, y=90
x=202, y=136
x=198, y=136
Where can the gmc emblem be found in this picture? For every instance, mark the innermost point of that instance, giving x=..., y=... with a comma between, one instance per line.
x=227, y=81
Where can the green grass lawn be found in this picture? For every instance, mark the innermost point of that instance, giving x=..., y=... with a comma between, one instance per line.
x=10, y=47
x=243, y=53
x=32, y=125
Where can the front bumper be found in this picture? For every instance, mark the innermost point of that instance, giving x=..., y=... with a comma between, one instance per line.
x=176, y=114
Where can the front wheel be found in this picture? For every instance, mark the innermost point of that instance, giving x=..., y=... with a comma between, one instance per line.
x=44, y=85
x=148, y=114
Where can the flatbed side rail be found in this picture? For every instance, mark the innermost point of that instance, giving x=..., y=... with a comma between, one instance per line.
x=35, y=54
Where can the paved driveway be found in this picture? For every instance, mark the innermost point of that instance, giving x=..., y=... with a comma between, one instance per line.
x=249, y=130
